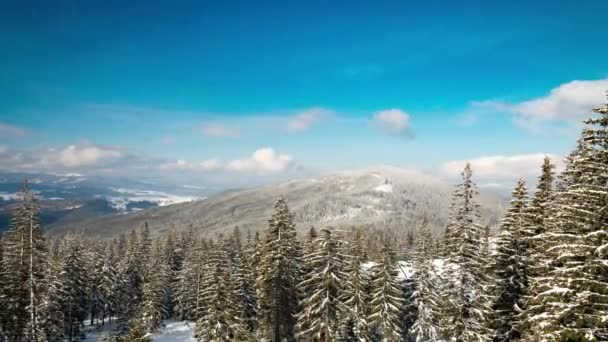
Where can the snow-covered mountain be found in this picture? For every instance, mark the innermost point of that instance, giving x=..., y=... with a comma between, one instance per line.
x=74, y=197
x=383, y=198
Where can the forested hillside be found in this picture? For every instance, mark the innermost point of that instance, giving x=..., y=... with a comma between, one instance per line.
x=543, y=276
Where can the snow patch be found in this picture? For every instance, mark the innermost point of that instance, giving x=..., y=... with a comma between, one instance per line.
x=384, y=188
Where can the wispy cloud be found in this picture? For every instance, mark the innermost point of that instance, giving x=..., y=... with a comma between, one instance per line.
x=220, y=130
x=12, y=131
x=305, y=119
x=394, y=121
x=567, y=103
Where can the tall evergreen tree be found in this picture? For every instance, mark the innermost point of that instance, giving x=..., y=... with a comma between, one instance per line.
x=220, y=320
x=24, y=262
x=575, y=301
x=154, y=291
x=318, y=317
x=426, y=297
x=355, y=296
x=464, y=294
x=510, y=266
x=74, y=296
x=386, y=300
x=278, y=276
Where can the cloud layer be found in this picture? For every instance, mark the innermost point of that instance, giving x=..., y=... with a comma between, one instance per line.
x=500, y=170
x=11, y=131
x=569, y=102
x=264, y=160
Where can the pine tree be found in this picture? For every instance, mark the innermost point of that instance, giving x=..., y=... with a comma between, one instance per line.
x=464, y=295
x=137, y=333
x=324, y=283
x=575, y=302
x=386, y=301
x=355, y=297
x=129, y=289
x=187, y=288
x=24, y=262
x=74, y=296
x=426, y=297
x=278, y=276
x=510, y=266
x=154, y=290
x=220, y=321
x=245, y=284
x=52, y=314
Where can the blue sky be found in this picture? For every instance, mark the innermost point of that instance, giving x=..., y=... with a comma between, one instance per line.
x=97, y=86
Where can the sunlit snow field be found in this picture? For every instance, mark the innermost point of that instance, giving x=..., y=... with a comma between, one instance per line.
x=176, y=331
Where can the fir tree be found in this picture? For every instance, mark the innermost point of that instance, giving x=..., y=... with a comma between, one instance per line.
x=220, y=321
x=510, y=266
x=426, y=297
x=324, y=283
x=464, y=295
x=154, y=291
x=74, y=296
x=575, y=302
x=355, y=296
x=24, y=263
x=278, y=276
x=386, y=301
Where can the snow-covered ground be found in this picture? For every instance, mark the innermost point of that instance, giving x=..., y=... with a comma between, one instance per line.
x=174, y=331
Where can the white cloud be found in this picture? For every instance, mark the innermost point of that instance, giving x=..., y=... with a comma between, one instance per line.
x=264, y=160
x=569, y=102
x=394, y=121
x=220, y=130
x=210, y=164
x=305, y=119
x=497, y=171
x=11, y=131
x=74, y=155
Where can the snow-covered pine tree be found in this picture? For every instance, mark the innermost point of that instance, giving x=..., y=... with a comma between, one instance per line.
x=278, y=276
x=245, y=282
x=426, y=296
x=74, y=296
x=386, y=297
x=327, y=264
x=538, y=240
x=52, y=315
x=220, y=321
x=187, y=288
x=129, y=290
x=25, y=255
x=354, y=296
x=174, y=256
x=576, y=300
x=510, y=266
x=137, y=333
x=464, y=298
x=154, y=292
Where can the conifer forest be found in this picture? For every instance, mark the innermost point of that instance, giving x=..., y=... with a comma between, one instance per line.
x=541, y=275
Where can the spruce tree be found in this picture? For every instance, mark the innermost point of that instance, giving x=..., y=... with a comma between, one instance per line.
x=24, y=262
x=575, y=301
x=355, y=296
x=510, y=266
x=220, y=321
x=386, y=300
x=74, y=296
x=464, y=298
x=278, y=276
x=154, y=291
x=426, y=297
x=318, y=318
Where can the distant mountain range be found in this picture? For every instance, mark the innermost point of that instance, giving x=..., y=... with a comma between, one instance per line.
x=383, y=198
x=70, y=198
